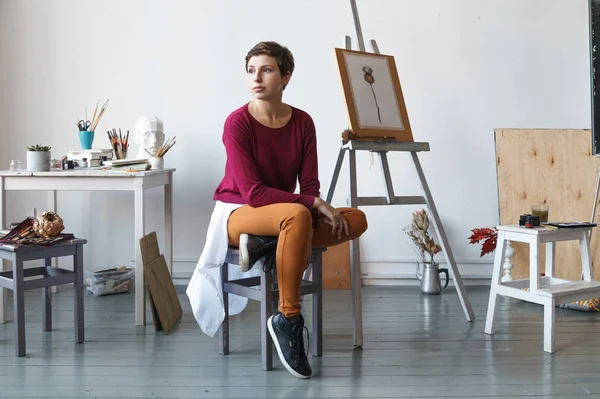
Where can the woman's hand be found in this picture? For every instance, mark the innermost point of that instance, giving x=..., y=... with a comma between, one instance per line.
x=334, y=218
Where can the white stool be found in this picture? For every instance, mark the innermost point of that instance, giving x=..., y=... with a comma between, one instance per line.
x=548, y=290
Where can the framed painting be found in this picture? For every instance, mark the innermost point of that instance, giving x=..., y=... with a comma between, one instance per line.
x=373, y=96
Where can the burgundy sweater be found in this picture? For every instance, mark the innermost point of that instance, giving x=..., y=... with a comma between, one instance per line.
x=264, y=164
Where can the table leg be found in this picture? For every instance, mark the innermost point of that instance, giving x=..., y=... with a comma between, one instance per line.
x=19, y=306
x=140, y=286
x=79, y=317
x=169, y=223
x=4, y=263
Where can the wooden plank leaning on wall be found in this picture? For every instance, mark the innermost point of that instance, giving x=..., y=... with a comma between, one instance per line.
x=548, y=166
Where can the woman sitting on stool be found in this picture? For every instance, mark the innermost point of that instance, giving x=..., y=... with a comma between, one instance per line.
x=270, y=146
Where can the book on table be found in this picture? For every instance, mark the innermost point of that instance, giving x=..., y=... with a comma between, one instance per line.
x=568, y=225
x=128, y=164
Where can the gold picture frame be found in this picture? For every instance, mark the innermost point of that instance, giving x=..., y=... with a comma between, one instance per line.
x=373, y=96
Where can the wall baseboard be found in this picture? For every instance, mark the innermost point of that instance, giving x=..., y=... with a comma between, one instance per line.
x=397, y=271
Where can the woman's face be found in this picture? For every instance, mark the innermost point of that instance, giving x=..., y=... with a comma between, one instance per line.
x=264, y=77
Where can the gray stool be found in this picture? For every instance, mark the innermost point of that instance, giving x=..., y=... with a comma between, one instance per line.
x=15, y=280
x=267, y=293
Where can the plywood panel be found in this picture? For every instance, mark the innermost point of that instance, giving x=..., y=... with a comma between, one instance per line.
x=336, y=267
x=554, y=167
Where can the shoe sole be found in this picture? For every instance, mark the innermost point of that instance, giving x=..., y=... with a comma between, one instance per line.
x=244, y=255
x=276, y=342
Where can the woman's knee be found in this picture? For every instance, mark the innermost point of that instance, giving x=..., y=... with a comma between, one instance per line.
x=357, y=221
x=298, y=215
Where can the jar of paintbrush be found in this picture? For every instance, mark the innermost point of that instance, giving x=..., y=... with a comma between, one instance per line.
x=119, y=143
x=157, y=162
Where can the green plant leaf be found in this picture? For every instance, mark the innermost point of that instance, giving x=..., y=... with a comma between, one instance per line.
x=39, y=147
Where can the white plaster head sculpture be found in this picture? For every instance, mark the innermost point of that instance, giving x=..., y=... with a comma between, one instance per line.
x=149, y=135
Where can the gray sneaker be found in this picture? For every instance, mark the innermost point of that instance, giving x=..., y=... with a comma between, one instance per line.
x=288, y=339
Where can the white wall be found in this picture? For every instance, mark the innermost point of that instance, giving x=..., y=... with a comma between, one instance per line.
x=466, y=67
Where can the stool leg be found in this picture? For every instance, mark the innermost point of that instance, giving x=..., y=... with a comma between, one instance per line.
x=266, y=306
x=19, y=306
x=550, y=258
x=47, y=303
x=79, y=318
x=224, y=329
x=317, y=305
x=549, y=325
x=308, y=272
x=3, y=293
x=47, y=309
x=496, y=280
x=586, y=257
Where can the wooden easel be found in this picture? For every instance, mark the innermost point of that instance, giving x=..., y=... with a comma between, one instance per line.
x=382, y=148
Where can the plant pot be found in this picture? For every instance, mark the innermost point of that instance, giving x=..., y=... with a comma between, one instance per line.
x=430, y=278
x=38, y=161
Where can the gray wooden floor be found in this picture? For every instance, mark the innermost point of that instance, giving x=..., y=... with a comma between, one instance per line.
x=415, y=346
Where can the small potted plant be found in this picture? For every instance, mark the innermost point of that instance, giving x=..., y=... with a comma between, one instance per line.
x=418, y=231
x=38, y=158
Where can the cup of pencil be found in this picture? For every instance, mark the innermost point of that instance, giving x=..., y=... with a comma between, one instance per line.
x=119, y=143
x=157, y=161
x=87, y=128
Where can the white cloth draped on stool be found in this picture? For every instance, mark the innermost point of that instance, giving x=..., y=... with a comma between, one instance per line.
x=204, y=290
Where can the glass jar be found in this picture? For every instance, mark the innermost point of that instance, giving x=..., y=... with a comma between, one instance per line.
x=56, y=165
x=15, y=165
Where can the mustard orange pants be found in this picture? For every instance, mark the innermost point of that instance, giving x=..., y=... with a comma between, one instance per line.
x=294, y=225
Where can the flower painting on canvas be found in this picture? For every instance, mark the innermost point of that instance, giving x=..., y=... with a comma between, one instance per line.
x=373, y=95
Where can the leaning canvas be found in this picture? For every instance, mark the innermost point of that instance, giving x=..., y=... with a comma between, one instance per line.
x=373, y=96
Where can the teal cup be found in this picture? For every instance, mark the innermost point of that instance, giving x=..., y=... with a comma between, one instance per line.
x=86, y=138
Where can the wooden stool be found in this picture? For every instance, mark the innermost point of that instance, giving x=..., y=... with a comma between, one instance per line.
x=267, y=294
x=15, y=280
x=547, y=290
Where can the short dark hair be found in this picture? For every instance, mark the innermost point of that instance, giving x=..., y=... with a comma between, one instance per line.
x=284, y=57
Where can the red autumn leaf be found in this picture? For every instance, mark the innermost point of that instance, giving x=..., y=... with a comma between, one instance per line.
x=489, y=236
x=481, y=234
x=488, y=246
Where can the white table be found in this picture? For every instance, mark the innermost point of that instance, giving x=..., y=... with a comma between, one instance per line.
x=547, y=290
x=98, y=180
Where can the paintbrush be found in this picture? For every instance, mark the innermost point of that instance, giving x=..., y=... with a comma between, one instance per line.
x=168, y=148
x=102, y=110
x=95, y=111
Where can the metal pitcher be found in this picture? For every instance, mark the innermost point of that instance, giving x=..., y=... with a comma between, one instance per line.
x=430, y=278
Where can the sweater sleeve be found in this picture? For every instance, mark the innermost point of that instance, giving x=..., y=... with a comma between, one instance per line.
x=309, y=167
x=255, y=193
